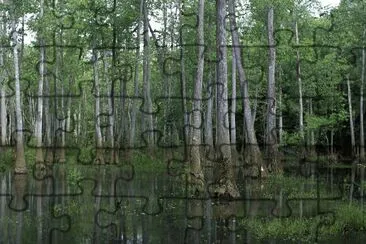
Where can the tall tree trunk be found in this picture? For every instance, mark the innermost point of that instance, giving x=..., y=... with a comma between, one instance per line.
x=301, y=105
x=252, y=152
x=362, y=133
x=280, y=119
x=111, y=116
x=208, y=118
x=20, y=166
x=99, y=159
x=148, y=120
x=196, y=174
x=233, y=103
x=353, y=141
x=3, y=114
x=271, y=133
x=225, y=175
x=48, y=123
x=136, y=78
x=39, y=114
x=183, y=90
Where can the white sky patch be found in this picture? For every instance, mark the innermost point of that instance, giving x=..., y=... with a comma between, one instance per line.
x=30, y=35
x=330, y=3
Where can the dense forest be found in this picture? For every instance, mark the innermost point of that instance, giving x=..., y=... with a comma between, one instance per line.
x=222, y=81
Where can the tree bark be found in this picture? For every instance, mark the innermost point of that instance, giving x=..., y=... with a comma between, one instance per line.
x=225, y=175
x=183, y=91
x=196, y=174
x=233, y=103
x=136, y=78
x=252, y=152
x=3, y=113
x=280, y=119
x=208, y=119
x=271, y=133
x=353, y=141
x=99, y=159
x=111, y=116
x=362, y=133
x=39, y=114
x=148, y=120
x=20, y=166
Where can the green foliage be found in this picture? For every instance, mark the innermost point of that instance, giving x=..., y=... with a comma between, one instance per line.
x=143, y=162
x=291, y=138
x=347, y=219
x=74, y=175
x=282, y=229
x=7, y=159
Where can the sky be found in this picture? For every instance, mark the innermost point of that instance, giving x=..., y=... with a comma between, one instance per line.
x=331, y=3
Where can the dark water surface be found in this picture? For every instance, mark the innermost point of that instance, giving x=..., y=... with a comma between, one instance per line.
x=108, y=204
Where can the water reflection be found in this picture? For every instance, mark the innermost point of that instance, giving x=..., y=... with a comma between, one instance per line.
x=113, y=204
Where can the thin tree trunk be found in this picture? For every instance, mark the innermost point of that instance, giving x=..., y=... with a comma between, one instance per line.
x=208, y=118
x=196, y=173
x=183, y=93
x=280, y=119
x=20, y=166
x=136, y=78
x=353, y=142
x=255, y=105
x=147, y=89
x=3, y=114
x=48, y=123
x=39, y=114
x=253, y=154
x=99, y=159
x=311, y=135
x=299, y=82
x=225, y=175
x=111, y=112
x=362, y=133
x=233, y=102
x=271, y=133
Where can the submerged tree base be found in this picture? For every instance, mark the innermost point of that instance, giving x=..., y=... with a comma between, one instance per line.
x=225, y=189
x=254, y=162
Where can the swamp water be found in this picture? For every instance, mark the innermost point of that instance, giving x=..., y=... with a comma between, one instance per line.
x=109, y=204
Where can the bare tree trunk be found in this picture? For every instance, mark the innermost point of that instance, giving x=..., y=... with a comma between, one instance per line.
x=252, y=152
x=149, y=126
x=311, y=135
x=362, y=133
x=136, y=78
x=111, y=111
x=280, y=119
x=255, y=105
x=299, y=82
x=196, y=174
x=39, y=114
x=225, y=175
x=99, y=159
x=3, y=114
x=208, y=118
x=48, y=123
x=353, y=141
x=233, y=103
x=183, y=92
x=271, y=133
x=20, y=166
